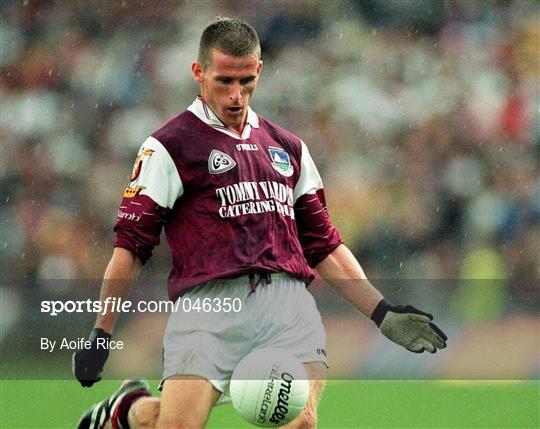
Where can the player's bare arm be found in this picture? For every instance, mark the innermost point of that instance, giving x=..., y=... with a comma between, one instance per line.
x=404, y=325
x=341, y=264
x=122, y=271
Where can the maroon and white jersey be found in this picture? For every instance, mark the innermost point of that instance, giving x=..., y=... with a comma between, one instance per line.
x=231, y=204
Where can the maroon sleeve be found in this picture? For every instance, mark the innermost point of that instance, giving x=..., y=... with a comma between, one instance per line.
x=138, y=225
x=318, y=236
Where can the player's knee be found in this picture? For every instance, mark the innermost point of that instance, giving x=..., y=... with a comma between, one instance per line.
x=144, y=413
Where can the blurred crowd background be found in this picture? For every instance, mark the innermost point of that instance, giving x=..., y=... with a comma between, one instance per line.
x=422, y=116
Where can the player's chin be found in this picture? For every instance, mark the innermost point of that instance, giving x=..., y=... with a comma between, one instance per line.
x=234, y=120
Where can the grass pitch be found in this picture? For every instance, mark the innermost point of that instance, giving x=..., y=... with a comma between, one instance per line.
x=345, y=404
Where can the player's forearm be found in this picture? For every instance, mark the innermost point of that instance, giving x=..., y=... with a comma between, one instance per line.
x=342, y=271
x=121, y=273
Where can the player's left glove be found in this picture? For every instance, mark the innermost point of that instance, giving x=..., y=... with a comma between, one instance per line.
x=87, y=364
x=409, y=327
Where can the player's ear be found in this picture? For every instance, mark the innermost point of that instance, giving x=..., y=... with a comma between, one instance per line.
x=259, y=67
x=197, y=71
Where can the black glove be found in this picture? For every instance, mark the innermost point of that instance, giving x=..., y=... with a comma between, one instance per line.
x=87, y=364
x=409, y=327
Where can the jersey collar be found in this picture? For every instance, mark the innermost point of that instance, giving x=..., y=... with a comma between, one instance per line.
x=200, y=109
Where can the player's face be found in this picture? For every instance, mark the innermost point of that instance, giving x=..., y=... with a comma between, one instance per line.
x=227, y=84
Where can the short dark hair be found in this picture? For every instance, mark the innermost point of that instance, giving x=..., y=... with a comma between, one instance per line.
x=231, y=36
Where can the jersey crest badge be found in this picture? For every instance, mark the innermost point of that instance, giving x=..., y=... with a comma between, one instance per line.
x=281, y=161
x=141, y=162
x=219, y=162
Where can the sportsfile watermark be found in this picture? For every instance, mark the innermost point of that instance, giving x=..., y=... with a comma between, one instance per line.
x=44, y=323
x=120, y=305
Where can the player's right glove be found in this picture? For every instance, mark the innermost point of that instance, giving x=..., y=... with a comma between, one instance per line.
x=87, y=364
x=409, y=327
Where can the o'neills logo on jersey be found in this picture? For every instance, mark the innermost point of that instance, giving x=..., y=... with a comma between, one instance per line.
x=245, y=198
x=219, y=162
x=281, y=161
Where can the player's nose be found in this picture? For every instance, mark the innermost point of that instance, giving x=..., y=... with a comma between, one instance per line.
x=236, y=92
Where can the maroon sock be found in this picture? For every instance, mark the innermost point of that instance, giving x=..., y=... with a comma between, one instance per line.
x=119, y=418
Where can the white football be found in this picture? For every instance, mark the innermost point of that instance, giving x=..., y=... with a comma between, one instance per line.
x=269, y=387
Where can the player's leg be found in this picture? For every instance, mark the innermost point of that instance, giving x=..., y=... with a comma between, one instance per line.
x=297, y=328
x=186, y=402
x=201, y=346
x=144, y=413
x=113, y=410
x=308, y=417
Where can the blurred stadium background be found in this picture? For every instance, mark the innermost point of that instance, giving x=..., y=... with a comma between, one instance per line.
x=423, y=118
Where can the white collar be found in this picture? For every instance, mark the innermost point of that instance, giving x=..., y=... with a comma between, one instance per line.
x=203, y=111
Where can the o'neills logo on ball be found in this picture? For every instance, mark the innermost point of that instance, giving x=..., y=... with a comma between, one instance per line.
x=267, y=398
x=282, y=406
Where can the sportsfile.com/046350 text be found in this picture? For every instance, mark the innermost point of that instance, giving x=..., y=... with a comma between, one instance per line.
x=119, y=305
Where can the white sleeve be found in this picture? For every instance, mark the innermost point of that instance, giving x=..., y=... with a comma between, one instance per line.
x=310, y=180
x=155, y=175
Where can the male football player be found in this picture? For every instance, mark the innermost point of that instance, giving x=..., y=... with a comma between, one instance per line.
x=244, y=213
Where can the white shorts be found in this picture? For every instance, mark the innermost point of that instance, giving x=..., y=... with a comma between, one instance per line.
x=282, y=315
